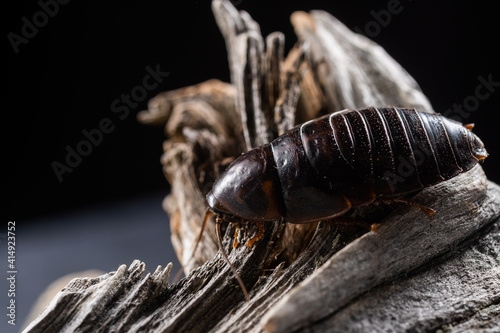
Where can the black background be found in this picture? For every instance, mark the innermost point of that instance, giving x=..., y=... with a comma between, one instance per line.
x=66, y=77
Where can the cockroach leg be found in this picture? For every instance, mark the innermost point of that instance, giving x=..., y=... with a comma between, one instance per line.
x=235, y=244
x=260, y=233
x=198, y=240
x=429, y=211
x=202, y=229
x=374, y=227
x=218, y=222
x=409, y=202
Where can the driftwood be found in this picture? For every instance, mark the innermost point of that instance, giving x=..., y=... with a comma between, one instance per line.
x=413, y=274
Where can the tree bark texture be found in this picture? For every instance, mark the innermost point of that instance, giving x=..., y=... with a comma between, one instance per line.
x=414, y=274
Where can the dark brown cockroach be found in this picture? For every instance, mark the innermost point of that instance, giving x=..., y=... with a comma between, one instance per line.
x=324, y=167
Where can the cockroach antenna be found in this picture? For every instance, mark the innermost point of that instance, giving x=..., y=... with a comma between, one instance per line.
x=198, y=240
x=218, y=222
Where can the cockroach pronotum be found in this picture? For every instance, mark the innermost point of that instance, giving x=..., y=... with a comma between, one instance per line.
x=321, y=169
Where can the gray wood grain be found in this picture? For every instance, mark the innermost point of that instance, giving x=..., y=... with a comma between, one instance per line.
x=418, y=276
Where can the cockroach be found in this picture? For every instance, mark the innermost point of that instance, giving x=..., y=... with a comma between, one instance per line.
x=321, y=169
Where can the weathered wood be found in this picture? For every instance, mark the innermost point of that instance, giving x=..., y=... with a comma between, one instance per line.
x=245, y=47
x=470, y=304
x=275, y=50
x=414, y=274
x=377, y=283
x=203, y=126
x=354, y=71
x=285, y=113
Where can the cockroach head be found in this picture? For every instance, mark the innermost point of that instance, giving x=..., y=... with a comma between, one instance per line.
x=249, y=188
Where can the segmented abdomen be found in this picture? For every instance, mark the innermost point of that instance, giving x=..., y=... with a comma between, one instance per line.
x=385, y=151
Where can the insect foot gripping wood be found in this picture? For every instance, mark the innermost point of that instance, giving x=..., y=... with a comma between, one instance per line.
x=324, y=167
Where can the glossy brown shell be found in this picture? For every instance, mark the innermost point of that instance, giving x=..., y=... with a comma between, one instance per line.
x=324, y=167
